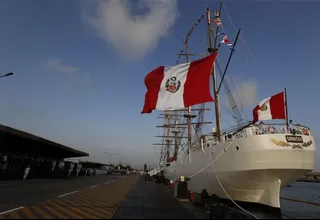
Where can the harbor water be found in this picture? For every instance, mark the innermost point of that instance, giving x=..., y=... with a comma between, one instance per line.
x=301, y=191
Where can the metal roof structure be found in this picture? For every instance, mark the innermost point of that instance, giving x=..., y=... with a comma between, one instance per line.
x=91, y=164
x=20, y=142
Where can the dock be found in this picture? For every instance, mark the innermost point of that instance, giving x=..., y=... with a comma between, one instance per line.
x=148, y=200
x=87, y=198
x=41, y=179
x=313, y=177
x=98, y=197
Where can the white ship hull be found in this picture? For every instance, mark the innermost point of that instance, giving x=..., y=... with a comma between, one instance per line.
x=254, y=172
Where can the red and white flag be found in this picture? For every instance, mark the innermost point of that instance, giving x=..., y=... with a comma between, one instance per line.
x=225, y=40
x=270, y=108
x=216, y=20
x=180, y=86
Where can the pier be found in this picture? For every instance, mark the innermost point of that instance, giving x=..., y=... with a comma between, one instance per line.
x=310, y=177
x=85, y=197
x=99, y=197
x=114, y=196
x=60, y=187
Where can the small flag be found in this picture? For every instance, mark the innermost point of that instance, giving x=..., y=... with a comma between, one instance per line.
x=217, y=21
x=221, y=33
x=225, y=40
x=216, y=18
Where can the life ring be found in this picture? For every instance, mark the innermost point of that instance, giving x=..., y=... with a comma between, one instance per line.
x=305, y=131
x=271, y=130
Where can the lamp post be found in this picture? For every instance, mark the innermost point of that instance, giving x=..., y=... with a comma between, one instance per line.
x=111, y=156
x=5, y=75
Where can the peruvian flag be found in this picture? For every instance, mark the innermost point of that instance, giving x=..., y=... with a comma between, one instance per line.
x=180, y=86
x=270, y=108
x=225, y=40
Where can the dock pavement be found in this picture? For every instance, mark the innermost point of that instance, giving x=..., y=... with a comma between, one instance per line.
x=99, y=197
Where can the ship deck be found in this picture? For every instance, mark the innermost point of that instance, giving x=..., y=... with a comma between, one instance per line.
x=98, y=197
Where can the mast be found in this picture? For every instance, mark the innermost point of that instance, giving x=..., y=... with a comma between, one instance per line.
x=229, y=59
x=286, y=104
x=215, y=89
x=189, y=114
x=165, y=145
x=212, y=49
x=167, y=137
x=176, y=132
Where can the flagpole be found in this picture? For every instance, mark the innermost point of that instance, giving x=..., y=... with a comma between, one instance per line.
x=286, y=105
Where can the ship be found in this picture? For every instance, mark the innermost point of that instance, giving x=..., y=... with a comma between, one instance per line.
x=249, y=162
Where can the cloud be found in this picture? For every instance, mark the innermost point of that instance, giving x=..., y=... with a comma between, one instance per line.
x=133, y=36
x=244, y=92
x=57, y=65
x=75, y=81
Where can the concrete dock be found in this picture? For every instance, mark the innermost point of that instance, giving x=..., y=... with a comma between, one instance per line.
x=148, y=200
x=84, y=198
x=98, y=197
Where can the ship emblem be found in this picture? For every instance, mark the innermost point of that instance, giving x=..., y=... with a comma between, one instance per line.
x=294, y=146
x=173, y=85
x=263, y=107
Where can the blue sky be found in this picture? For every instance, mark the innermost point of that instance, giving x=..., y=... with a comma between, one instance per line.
x=79, y=66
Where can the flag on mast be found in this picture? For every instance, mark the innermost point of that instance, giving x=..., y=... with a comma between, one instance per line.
x=180, y=86
x=270, y=108
x=225, y=40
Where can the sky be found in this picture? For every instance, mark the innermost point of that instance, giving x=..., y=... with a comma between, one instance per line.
x=79, y=66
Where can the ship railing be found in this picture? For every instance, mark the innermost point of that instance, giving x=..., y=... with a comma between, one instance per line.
x=251, y=130
x=292, y=129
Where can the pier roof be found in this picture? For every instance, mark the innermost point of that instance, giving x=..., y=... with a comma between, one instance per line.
x=91, y=164
x=20, y=142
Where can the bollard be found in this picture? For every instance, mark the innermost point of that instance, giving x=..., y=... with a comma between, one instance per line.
x=191, y=194
x=171, y=184
x=183, y=193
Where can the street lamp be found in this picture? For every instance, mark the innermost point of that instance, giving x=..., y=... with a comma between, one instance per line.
x=8, y=74
x=111, y=156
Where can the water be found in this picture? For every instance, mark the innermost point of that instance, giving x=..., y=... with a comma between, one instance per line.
x=301, y=191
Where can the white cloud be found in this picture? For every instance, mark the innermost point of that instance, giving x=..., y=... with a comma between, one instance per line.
x=133, y=35
x=244, y=93
x=57, y=65
x=75, y=82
